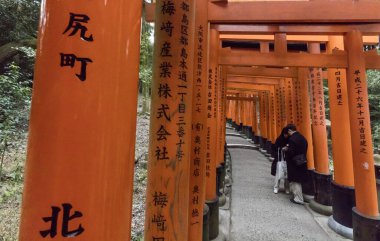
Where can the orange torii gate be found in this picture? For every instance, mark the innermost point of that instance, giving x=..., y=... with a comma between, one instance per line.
x=79, y=169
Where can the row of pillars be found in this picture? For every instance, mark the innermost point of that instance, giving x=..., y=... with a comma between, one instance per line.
x=79, y=170
x=261, y=111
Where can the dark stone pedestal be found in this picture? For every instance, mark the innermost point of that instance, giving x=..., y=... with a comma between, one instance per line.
x=213, y=205
x=206, y=223
x=262, y=142
x=365, y=228
x=219, y=180
x=240, y=127
x=343, y=198
x=308, y=188
x=322, y=202
x=249, y=132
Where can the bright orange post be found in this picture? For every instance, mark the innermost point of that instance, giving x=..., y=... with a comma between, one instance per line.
x=273, y=115
x=289, y=101
x=362, y=149
x=340, y=125
x=167, y=195
x=321, y=159
x=79, y=168
x=278, y=110
x=211, y=162
x=304, y=117
x=197, y=185
x=296, y=101
x=254, y=115
x=343, y=184
x=284, y=113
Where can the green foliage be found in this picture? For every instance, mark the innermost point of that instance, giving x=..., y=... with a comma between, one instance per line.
x=146, y=53
x=19, y=20
x=373, y=77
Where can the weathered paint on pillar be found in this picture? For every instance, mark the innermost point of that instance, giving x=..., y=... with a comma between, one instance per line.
x=242, y=112
x=278, y=110
x=340, y=124
x=221, y=114
x=197, y=185
x=321, y=159
x=305, y=124
x=237, y=110
x=273, y=115
x=283, y=103
x=212, y=116
x=361, y=141
x=254, y=115
x=296, y=101
x=167, y=195
x=79, y=168
x=289, y=101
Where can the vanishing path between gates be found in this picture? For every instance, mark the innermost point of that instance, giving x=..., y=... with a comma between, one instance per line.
x=259, y=214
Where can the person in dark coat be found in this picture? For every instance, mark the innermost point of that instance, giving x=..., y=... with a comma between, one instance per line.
x=297, y=173
x=281, y=141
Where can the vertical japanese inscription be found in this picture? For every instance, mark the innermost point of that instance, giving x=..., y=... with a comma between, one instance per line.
x=170, y=137
x=360, y=115
x=318, y=115
x=77, y=24
x=197, y=130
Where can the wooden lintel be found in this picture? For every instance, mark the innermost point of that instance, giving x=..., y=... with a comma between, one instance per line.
x=246, y=86
x=250, y=58
x=369, y=29
x=289, y=12
x=241, y=98
x=252, y=80
x=295, y=12
x=245, y=58
x=263, y=72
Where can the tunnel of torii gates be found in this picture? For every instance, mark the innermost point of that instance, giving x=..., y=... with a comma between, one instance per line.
x=80, y=161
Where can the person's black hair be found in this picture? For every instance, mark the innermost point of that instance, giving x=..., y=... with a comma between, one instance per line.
x=291, y=127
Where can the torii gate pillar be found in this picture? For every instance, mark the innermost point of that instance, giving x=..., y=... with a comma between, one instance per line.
x=365, y=219
x=322, y=201
x=343, y=192
x=80, y=162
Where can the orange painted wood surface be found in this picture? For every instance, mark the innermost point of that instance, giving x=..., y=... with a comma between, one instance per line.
x=167, y=194
x=361, y=141
x=80, y=161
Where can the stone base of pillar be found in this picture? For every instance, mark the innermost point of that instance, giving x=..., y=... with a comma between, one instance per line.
x=262, y=142
x=234, y=125
x=322, y=202
x=222, y=200
x=319, y=208
x=308, y=188
x=365, y=228
x=214, y=218
x=206, y=223
x=256, y=140
x=340, y=229
x=268, y=147
x=343, y=199
x=249, y=132
x=229, y=121
x=240, y=127
x=219, y=180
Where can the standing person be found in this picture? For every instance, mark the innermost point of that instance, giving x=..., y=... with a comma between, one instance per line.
x=295, y=156
x=281, y=142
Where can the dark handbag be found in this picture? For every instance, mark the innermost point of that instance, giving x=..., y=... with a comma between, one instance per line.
x=299, y=159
